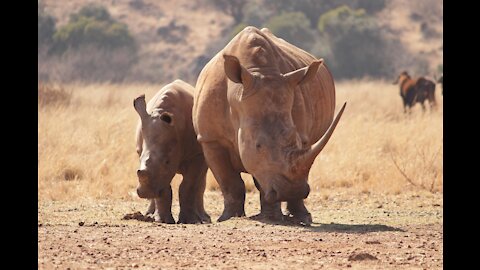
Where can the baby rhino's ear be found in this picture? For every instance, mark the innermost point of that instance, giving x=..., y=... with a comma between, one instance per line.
x=141, y=107
x=167, y=118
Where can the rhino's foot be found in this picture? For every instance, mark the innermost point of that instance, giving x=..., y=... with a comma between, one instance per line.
x=300, y=218
x=298, y=213
x=164, y=218
x=192, y=217
x=205, y=218
x=270, y=212
x=269, y=217
x=227, y=214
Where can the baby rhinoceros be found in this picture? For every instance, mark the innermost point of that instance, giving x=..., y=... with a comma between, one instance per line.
x=167, y=144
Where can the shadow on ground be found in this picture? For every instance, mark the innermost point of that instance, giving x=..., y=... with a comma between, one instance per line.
x=352, y=228
x=288, y=222
x=331, y=227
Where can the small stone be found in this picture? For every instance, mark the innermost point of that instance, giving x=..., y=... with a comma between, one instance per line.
x=361, y=257
x=372, y=242
x=81, y=223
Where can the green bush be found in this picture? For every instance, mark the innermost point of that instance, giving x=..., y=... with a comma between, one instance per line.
x=46, y=28
x=357, y=45
x=92, y=25
x=97, y=12
x=313, y=8
x=92, y=46
x=371, y=6
x=293, y=27
x=341, y=19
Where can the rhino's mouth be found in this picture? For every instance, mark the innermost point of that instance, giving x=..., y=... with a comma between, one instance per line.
x=284, y=190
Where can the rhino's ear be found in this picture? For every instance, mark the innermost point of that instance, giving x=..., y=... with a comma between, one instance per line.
x=236, y=72
x=167, y=118
x=141, y=107
x=303, y=75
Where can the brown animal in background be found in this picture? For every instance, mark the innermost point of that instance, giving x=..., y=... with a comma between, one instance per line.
x=167, y=144
x=415, y=91
x=265, y=107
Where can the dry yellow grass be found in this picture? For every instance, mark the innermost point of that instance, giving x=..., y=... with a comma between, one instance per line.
x=86, y=147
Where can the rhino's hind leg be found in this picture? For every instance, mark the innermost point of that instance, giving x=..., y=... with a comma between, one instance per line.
x=268, y=211
x=298, y=213
x=191, y=193
x=229, y=180
x=163, y=207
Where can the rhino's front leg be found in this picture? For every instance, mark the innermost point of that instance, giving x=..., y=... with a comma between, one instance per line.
x=163, y=207
x=191, y=193
x=298, y=212
x=151, y=208
x=229, y=180
x=268, y=211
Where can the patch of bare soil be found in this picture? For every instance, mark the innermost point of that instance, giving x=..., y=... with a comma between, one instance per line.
x=349, y=231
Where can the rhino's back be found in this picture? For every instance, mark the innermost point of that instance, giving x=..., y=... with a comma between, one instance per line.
x=177, y=95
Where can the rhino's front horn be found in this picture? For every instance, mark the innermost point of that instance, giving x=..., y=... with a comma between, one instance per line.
x=306, y=157
x=141, y=107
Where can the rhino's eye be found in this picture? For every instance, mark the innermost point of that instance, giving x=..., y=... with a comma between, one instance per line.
x=258, y=146
x=167, y=162
x=166, y=118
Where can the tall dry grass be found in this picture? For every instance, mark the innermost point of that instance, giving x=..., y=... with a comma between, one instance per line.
x=378, y=148
x=86, y=145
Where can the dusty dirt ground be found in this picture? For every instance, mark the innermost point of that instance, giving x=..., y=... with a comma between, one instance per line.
x=363, y=231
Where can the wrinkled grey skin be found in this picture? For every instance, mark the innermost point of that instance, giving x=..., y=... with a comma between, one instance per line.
x=166, y=145
x=265, y=107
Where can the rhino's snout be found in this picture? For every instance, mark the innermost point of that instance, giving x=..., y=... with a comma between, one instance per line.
x=144, y=189
x=142, y=175
x=145, y=193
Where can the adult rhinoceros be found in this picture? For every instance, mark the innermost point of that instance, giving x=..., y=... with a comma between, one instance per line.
x=265, y=107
